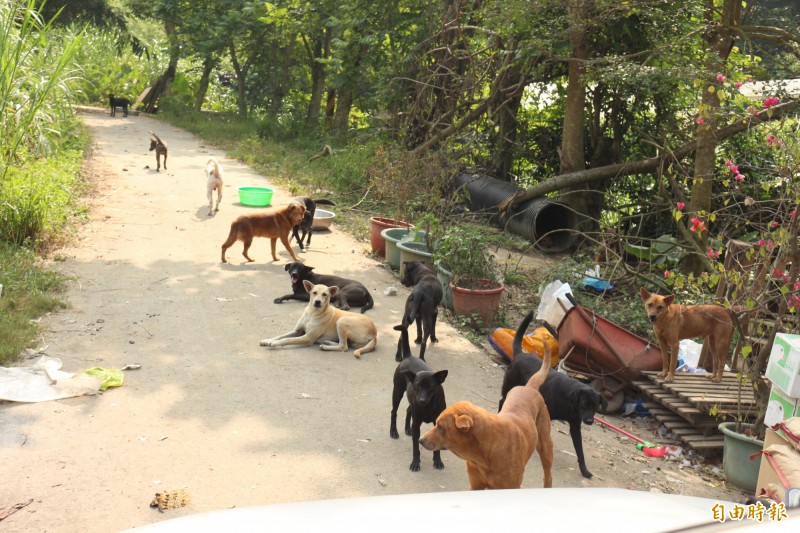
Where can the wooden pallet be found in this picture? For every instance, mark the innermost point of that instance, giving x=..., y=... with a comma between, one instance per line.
x=685, y=406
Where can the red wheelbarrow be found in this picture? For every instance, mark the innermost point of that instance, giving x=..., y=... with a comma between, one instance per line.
x=599, y=349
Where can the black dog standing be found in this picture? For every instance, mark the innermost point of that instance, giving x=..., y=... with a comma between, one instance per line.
x=118, y=102
x=425, y=394
x=305, y=228
x=422, y=305
x=566, y=398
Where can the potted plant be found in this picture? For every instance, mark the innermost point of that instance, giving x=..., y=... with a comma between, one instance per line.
x=464, y=253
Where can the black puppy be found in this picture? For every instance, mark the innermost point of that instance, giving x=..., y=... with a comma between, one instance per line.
x=351, y=292
x=566, y=398
x=423, y=388
x=306, y=226
x=422, y=304
x=118, y=102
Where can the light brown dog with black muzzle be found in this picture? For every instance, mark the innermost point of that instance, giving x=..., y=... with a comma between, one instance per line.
x=331, y=327
x=497, y=447
x=673, y=322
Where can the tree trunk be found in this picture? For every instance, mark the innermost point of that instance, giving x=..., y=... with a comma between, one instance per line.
x=719, y=40
x=319, y=52
x=162, y=85
x=573, y=158
x=344, y=104
x=241, y=75
x=505, y=115
x=202, y=87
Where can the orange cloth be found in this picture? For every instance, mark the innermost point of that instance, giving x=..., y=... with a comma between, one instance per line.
x=503, y=338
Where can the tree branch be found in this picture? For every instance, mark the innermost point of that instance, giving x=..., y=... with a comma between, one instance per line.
x=582, y=177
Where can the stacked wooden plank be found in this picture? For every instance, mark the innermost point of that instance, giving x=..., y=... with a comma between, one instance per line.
x=691, y=407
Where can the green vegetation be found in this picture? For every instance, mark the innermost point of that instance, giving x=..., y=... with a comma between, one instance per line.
x=41, y=151
x=29, y=291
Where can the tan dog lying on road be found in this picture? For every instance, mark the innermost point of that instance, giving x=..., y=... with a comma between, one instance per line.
x=673, y=322
x=497, y=447
x=322, y=322
x=274, y=224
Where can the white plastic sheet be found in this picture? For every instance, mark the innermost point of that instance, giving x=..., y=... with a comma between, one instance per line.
x=44, y=381
x=553, y=303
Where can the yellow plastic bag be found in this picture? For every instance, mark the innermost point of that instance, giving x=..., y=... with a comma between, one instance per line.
x=110, y=377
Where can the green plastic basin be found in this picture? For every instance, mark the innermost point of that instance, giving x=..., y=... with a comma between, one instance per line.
x=255, y=196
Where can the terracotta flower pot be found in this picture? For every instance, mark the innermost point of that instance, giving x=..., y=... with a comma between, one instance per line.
x=481, y=298
x=376, y=226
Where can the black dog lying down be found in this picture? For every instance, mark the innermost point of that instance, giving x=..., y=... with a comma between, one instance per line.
x=423, y=388
x=118, y=102
x=306, y=227
x=351, y=293
x=566, y=398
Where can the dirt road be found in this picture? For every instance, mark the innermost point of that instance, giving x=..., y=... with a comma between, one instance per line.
x=210, y=411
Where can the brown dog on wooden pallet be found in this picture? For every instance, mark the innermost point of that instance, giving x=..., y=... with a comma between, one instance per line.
x=673, y=322
x=274, y=224
x=497, y=447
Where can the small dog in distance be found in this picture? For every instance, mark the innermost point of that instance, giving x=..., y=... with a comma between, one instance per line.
x=115, y=102
x=213, y=182
x=160, y=148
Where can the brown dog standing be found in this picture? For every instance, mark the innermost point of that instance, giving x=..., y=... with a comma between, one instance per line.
x=274, y=224
x=160, y=148
x=497, y=447
x=673, y=322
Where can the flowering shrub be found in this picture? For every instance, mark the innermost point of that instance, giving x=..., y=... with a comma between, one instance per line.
x=757, y=270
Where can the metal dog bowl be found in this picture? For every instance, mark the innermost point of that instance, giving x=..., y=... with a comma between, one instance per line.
x=322, y=219
x=255, y=196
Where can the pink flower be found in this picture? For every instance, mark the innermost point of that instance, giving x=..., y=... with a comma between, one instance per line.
x=797, y=285
x=738, y=84
x=711, y=253
x=720, y=78
x=793, y=213
x=734, y=169
x=728, y=163
x=771, y=101
x=777, y=273
x=667, y=274
x=700, y=120
x=680, y=206
x=770, y=244
x=738, y=177
x=698, y=225
x=774, y=224
x=761, y=242
x=773, y=141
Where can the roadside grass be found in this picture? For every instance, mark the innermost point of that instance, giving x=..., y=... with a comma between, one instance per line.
x=29, y=292
x=40, y=206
